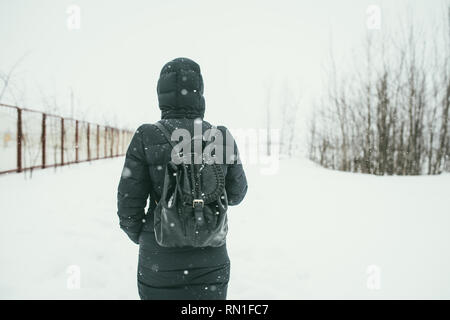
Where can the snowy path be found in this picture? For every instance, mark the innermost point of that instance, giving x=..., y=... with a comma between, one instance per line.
x=314, y=240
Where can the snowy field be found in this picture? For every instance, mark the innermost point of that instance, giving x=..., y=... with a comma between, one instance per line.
x=303, y=233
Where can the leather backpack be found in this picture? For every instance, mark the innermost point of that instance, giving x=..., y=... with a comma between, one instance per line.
x=192, y=210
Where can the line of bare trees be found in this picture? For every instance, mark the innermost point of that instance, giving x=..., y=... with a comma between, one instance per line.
x=390, y=116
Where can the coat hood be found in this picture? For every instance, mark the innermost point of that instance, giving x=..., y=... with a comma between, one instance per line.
x=180, y=90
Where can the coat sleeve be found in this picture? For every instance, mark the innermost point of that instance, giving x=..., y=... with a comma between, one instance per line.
x=236, y=184
x=235, y=180
x=134, y=188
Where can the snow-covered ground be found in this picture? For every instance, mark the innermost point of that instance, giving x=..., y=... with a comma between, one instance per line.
x=303, y=233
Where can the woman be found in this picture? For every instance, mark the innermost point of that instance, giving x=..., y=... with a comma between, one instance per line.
x=173, y=273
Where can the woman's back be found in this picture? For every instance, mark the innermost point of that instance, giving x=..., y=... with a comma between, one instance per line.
x=173, y=273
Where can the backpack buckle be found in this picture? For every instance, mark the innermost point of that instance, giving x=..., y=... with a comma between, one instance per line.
x=197, y=202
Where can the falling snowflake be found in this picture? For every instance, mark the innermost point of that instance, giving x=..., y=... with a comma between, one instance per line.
x=186, y=272
x=126, y=172
x=184, y=92
x=155, y=267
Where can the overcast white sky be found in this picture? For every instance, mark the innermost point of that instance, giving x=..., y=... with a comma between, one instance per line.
x=112, y=63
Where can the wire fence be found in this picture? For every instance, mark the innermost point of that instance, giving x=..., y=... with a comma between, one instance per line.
x=33, y=139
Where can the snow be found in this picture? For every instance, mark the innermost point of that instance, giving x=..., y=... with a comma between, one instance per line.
x=302, y=233
x=57, y=220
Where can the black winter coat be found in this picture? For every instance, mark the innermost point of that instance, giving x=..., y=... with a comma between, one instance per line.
x=172, y=273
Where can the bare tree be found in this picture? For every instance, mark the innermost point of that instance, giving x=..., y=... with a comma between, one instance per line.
x=391, y=115
x=6, y=77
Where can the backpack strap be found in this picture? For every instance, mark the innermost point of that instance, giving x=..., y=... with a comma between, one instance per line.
x=154, y=199
x=165, y=133
x=229, y=146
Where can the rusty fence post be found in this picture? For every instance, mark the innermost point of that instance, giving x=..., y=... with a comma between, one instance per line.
x=106, y=142
x=43, y=138
x=112, y=143
x=98, y=141
x=118, y=141
x=121, y=141
x=88, y=140
x=62, y=141
x=124, y=141
x=114, y=138
x=76, y=140
x=19, y=140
